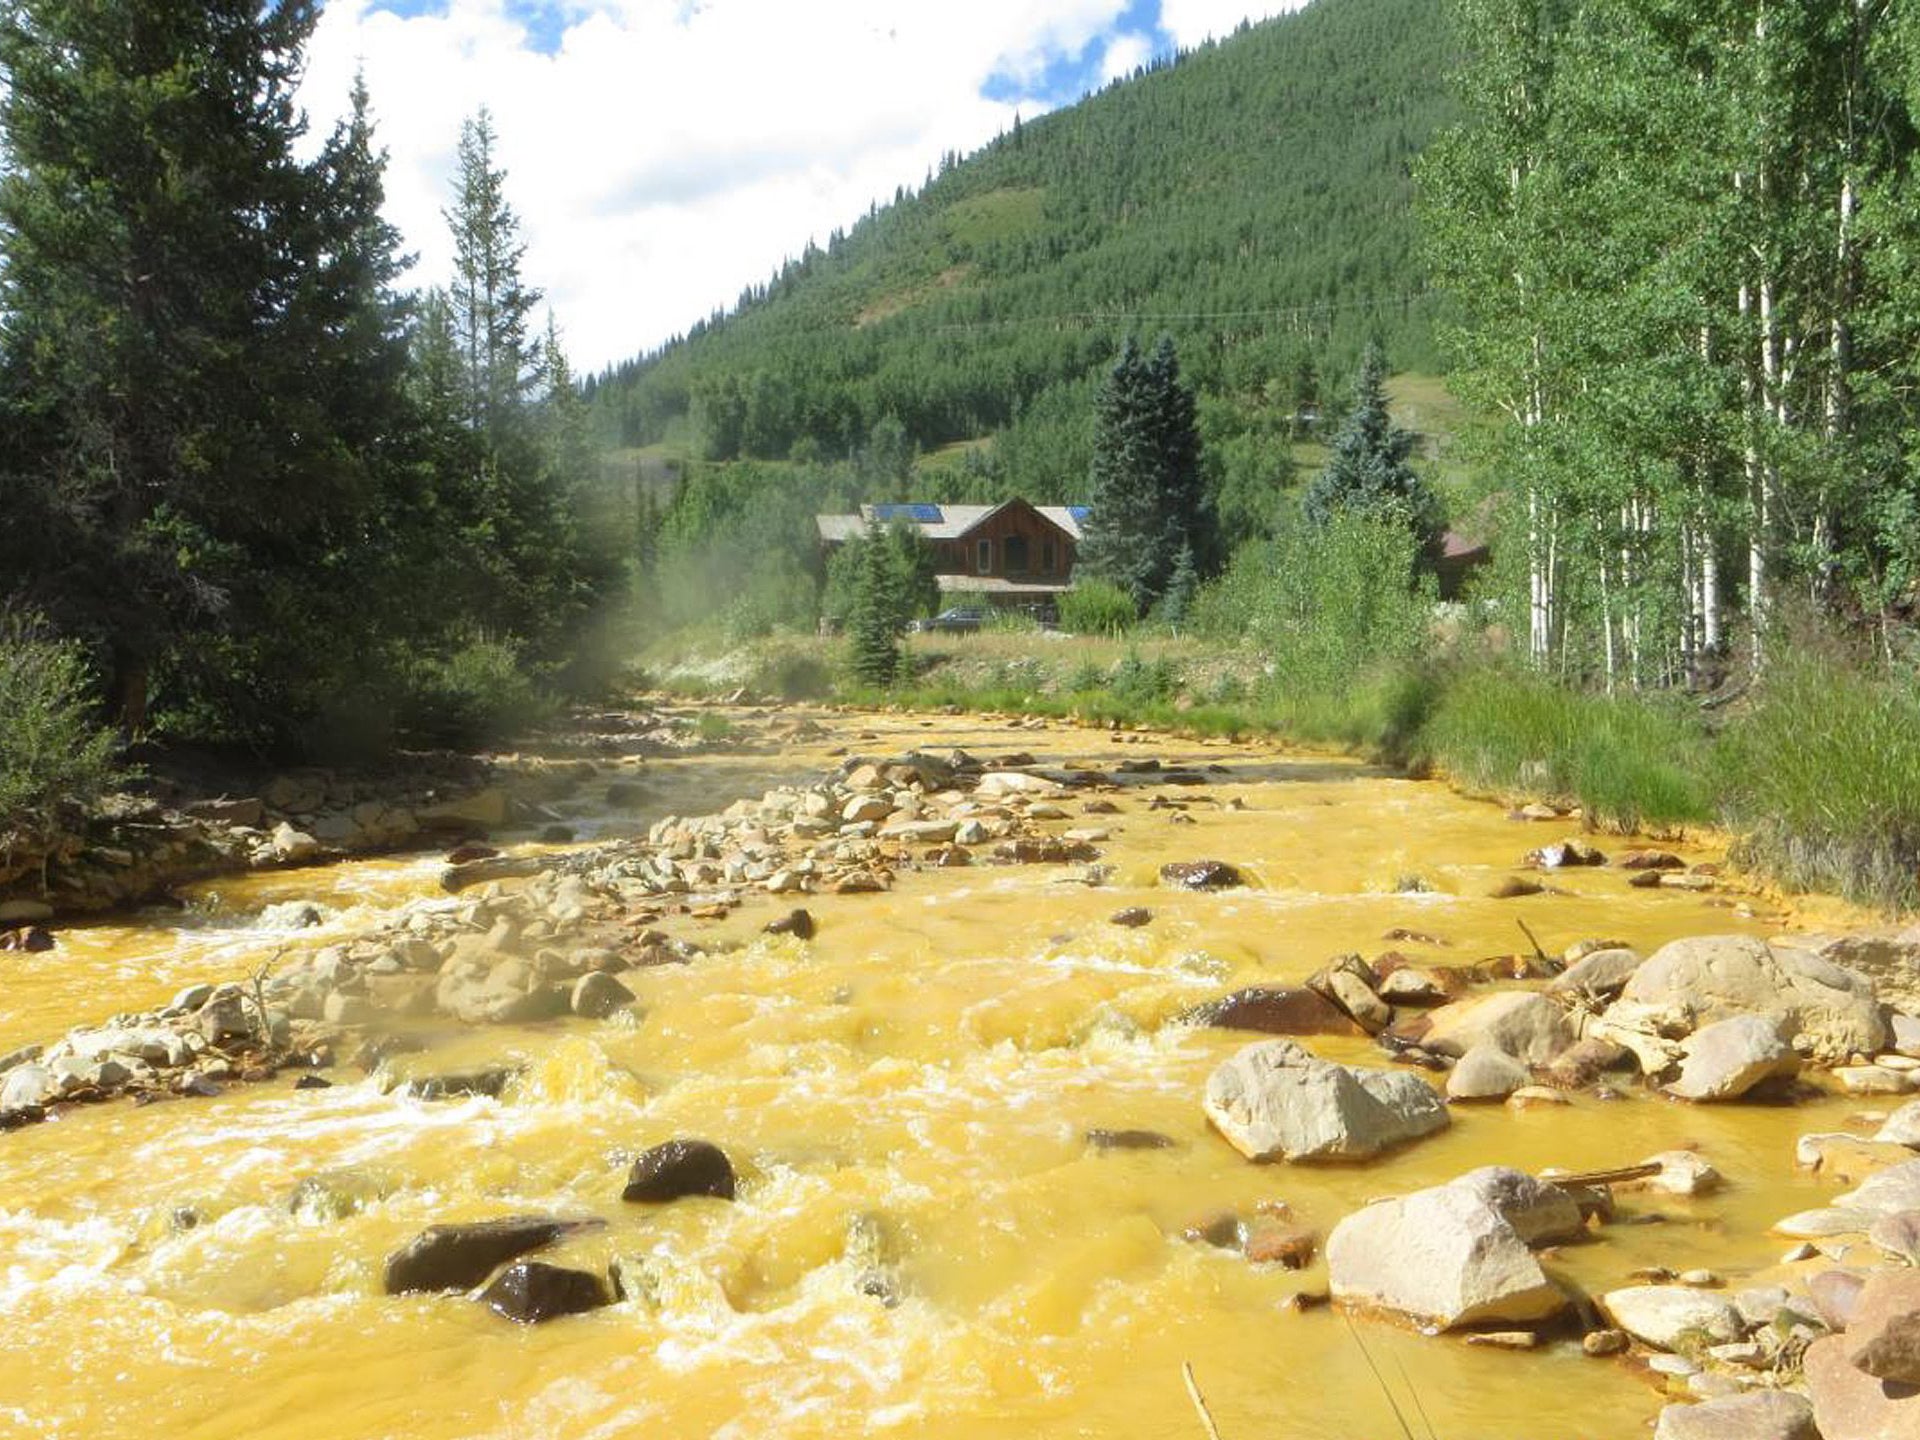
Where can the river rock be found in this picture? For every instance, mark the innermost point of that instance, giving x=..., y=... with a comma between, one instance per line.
x=1485, y=1072
x=1895, y=1188
x=292, y=846
x=1200, y=875
x=532, y=1291
x=797, y=923
x=1902, y=1127
x=1414, y=985
x=1276, y=1100
x=679, y=1168
x=1443, y=1256
x=1520, y=1023
x=458, y=1257
x=598, y=995
x=1682, y=1172
x=27, y=1086
x=1763, y=1415
x=1849, y=1404
x=1131, y=918
x=1827, y=1008
x=1668, y=1316
x=1897, y=1236
x=1539, y=1212
x=1600, y=972
x=1836, y=1295
x=1349, y=984
x=1726, y=1059
x=866, y=807
x=1287, y=1011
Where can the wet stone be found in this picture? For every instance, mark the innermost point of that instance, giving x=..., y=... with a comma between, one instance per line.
x=531, y=1292
x=458, y=1257
x=680, y=1168
x=1200, y=875
x=1129, y=1140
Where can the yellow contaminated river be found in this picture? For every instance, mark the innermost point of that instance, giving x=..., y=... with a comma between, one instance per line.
x=924, y=1243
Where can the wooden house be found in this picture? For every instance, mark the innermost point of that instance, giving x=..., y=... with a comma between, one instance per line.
x=1012, y=553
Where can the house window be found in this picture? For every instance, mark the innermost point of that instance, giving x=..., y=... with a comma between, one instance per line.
x=1014, y=553
x=983, y=558
x=1046, y=557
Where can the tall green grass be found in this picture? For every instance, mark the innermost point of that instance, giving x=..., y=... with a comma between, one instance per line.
x=1630, y=762
x=1821, y=774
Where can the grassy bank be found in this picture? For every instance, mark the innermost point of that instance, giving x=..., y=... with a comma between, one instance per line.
x=1817, y=772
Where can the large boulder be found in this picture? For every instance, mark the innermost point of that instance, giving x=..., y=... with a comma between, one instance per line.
x=1522, y=1023
x=1540, y=1213
x=1849, y=1404
x=1443, y=1256
x=1824, y=1008
x=1763, y=1415
x=1277, y=1101
x=1726, y=1059
x=1670, y=1317
x=1884, y=1192
x=1599, y=972
x=458, y=1257
x=1883, y=1328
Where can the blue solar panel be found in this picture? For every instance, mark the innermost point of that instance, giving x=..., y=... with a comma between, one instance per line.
x=924, y=514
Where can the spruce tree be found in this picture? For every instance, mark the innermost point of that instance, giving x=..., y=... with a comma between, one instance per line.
x=1146, y=496
x=1368, y=468
x=491, y=303
x=872, y=620
x=157, y=276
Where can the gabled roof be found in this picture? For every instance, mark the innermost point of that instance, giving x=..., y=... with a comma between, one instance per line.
x=941, y=522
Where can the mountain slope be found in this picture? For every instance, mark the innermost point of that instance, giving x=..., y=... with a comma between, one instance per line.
x=1251, y=198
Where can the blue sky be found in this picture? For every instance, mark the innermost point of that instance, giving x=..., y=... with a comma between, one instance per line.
x=665, y=153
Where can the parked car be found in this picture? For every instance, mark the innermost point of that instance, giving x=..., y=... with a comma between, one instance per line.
x=960, y=620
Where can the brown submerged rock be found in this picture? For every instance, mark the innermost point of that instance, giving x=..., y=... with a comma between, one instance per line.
x=1294, y=1010
x=680, y=1168
x=458, y=1257
x=1200, y=875
x=532, y=1292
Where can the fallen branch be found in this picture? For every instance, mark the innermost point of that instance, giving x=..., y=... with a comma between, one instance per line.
x=1542, y=954
x=1199, y=1401
x=1605, y=1177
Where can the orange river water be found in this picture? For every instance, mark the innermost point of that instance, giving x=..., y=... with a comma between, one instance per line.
x=909, y=1090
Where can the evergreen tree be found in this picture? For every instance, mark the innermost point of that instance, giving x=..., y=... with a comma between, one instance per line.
x=1146, y=494
x=1368, y=469
x=163, y=290
x=873, y=619
x=491, y=303
x=1182, y=586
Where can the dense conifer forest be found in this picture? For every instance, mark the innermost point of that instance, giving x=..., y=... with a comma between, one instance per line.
x=1251, y=199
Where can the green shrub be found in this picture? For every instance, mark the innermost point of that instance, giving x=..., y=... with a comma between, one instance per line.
x=475, y=695
x=711, y=727
x=54, y=753
x=1137, y=683
x=1822, y=773
x=1087, y=675
x=1094, y=607
x=792, y=675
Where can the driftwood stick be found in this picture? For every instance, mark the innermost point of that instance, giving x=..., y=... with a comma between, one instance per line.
x=1532, y=940
x=1199, y=1400
x=1605, y=1177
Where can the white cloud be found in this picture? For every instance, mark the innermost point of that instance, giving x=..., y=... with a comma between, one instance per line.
x=1191, y=21
x=1126, y=52
x=671, y=151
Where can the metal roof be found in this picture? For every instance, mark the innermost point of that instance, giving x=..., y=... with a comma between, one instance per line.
x=938, y=522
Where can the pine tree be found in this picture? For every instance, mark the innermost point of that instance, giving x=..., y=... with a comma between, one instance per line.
x=1182, y=586
x=1368, y=468
x=1147, y=497
x=872, y=621
x=491, y=303
x=152, y=266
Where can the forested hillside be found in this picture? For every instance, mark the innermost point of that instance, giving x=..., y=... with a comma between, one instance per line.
x=1252, y=199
